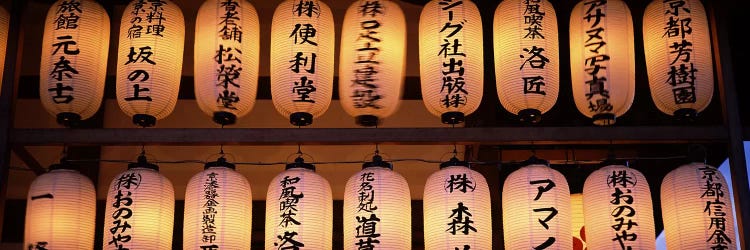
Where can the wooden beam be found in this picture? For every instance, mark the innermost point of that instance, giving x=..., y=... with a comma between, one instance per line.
x=29, y=159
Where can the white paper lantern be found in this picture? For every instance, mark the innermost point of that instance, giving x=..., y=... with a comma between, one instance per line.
x=451, y=59
x=226, y=59
x=602, y=59
x=677, y=46
x=4, y=26
x=457, y=209
x=73, y=65
x=372, y=60
x=697, y=209
x=578, y=230
x=299, y=210
x=536, y=209
x=527, y=62
x=60, y=211
x=302, y=57
x=149, y=62
x=218, y=209
x=139, y=210
x=617, y=209
x=377, y=209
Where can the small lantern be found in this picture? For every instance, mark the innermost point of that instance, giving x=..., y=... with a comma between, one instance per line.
x=371, y=66
x=227, y=53
x=697, y=209
x=299, y=209
x=578, y=230
x=302, y=56
x=451, y=59
x=377, y=198
x=149, y=63
x=457, y=208
x=60, y=210
x=218, y=209
x=527, y=62
x=73, y=65
x=677, y=47
x=139, y=211
x=536, y=209
x=602, y=59
x=617, y=209
x=4, y=26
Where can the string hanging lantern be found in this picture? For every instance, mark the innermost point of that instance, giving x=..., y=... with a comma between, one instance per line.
x=4, y=27
x=149, y=63
x=73, y=64
x=677, y=46
x=527, y=62
x=602, y=59
x=227, y=57
x=451, y=59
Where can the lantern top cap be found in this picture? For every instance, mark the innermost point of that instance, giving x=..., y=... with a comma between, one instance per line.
x=63, y=165
x=221, y=162
x=533, y=160
x=143, y=163
x=300, y=163
x=377, y=161
x=454, y=162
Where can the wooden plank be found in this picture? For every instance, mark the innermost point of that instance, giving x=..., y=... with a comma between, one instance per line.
x=29, y=159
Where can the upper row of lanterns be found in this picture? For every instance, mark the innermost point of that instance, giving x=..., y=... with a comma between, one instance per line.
x=372, y=59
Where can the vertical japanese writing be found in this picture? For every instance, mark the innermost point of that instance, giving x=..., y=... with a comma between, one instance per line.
x=304, y=36
x=208, y=227
x=677, y=31
x=453, y=54
x=288, y=201
x=66, y=46
x=365, y=90
x=713, y=193
x=533, y=56
x=121, y=229
x=594, y=64
x=228, y=54
x=367, y=223
x=460, y=218
x=148, y=13
x=621, y=184
x=545, y=185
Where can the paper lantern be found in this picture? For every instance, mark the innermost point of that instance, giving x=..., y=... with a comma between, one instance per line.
x=527, y=62
x=4, y=26
x=73, y=65
x=149, y=63
x=617, y=209
x=226, y=59
x=451, y=59
x=377, y=209
x=536, y=209
x=578, y=230
x=457, y=209
x=602, y=59
x=218, y=209
x=139, y=211
x=302, y=56
x=697, y=209
x=371, y=64
x=60, y=211
x=677, y=46
x=299, y=209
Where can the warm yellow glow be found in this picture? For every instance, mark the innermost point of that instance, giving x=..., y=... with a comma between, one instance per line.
x=74, y=58
x=432, y=58
x=540, y=188
x=520, y=52
x=224, y=196
x=464, y=190
x=150, y=44
x=617, y=73
x=385, y=194
x=307, y=196
x=237, y=74
x=4, y=26
x=578, y=230
x=680, y=92
x=613, y=197
x=688, y=222
x=60, y=211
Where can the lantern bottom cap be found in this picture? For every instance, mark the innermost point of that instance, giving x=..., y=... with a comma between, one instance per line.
x=301, y=119
x=68, y=119
x=224, y=118
x=367, y=120
x=686, y=114
x=452, y=117
x=144, y=120
x=604, y=119
x=532, y=116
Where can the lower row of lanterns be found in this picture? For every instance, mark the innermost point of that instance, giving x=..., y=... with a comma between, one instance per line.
x=536, y=212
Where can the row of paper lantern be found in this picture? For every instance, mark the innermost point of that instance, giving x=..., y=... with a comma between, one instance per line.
x=536, y=209
x=371, y=72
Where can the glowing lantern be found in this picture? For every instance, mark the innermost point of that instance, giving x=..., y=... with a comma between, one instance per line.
x=697, y=209
x=302, y=56
x=536, y=209
x=457, y=208
x=377, y=196
x=451, y=59
x=73, y=65
x=578, y=230
x=140, y=209
x=617, y=209
x=602, y=59
x=677, y=46
x=226, y=59
x=371, y=67
x=4, y=26
x=222, y=194
x=149, y=63
x=527, y=63
x=60, y=211
x=299, y=209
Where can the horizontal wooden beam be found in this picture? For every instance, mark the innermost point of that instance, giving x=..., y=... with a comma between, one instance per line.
x=357, y=136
